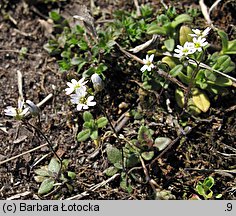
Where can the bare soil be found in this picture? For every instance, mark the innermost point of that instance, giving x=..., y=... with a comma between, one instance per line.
x=208, y=150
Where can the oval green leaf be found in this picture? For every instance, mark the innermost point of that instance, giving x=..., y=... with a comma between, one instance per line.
x=200, y=100
x=102, y=122
x=169, y=44
x=161, y=143
x=184, y=35
x=54, y=166
x=113, y=154
x=46, y=186
x=176, y=70
x=87, y=116
x=147, y=155
x=83, y=135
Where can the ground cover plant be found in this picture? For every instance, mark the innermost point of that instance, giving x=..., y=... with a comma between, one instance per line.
x=117, y=100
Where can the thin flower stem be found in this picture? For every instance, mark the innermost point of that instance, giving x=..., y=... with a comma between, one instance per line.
x=186, y=97
x=49, y=143
x=115, y=132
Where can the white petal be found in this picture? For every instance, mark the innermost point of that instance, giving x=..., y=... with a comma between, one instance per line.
x=151, y=58
x=81, y=92
x=193, y=35
x=206, y=31
x=145, y=61
x=69, y=90
x=90, y=98
x=144, y=68
x=85, y=106
x=196, y=31
x=79, y=107
x=92, y=103
x=177, y=51
x=70, y=85
x=74, y=82
x=74, y=100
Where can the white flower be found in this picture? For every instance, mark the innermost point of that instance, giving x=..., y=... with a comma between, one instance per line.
x=185, y=50
x=148, y=63
x=80, y=99
x=73, y=85
x=17, y=113
x=199, y=33
x=98, y=84
x=199, y=43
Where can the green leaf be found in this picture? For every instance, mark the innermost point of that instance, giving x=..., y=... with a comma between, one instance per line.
x=224, y=64
x=155, y=29
x=200, y=100
x=200, y=189
x=218, y=196
x=231, y=48
x=94, y=135
x=113, y=154
x=110, y=171
x=169, y=44
x=132, y=160
x=209, y=182
x=222, y=81
x=83, y=135
x=224, y=39
x=124, y=183
x=46, y=186
x=89, y=72
x=88, y=125
x=54, y=166
x=185, y=79
x=65, y=164
x=209, y=195
x=145, y=136
x=76, y=61
x=194, y=110
x=83, y=45
x=161, y=143
x=101, y=68
x=210, y=75
x=176, y=70
x=43, y=171
x=184, y=35
x=102, y=122
x=181, y=19
x=80, y=66
x=147, y=155
x=179, y=97
x=170, y=61
x=72, y=175
x=55, y=16
x=87, y=116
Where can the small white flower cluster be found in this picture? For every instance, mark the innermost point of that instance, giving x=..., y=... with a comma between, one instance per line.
x=199, y=42
x=80, y=96
x=148, y=65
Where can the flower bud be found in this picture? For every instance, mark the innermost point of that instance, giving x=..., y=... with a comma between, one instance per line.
x=98, y=84
x=33, y=108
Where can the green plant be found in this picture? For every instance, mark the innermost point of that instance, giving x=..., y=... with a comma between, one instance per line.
x=204, y=188
x=207, y=75
x=144, y=146
x=53, y=175
x=91, y=127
